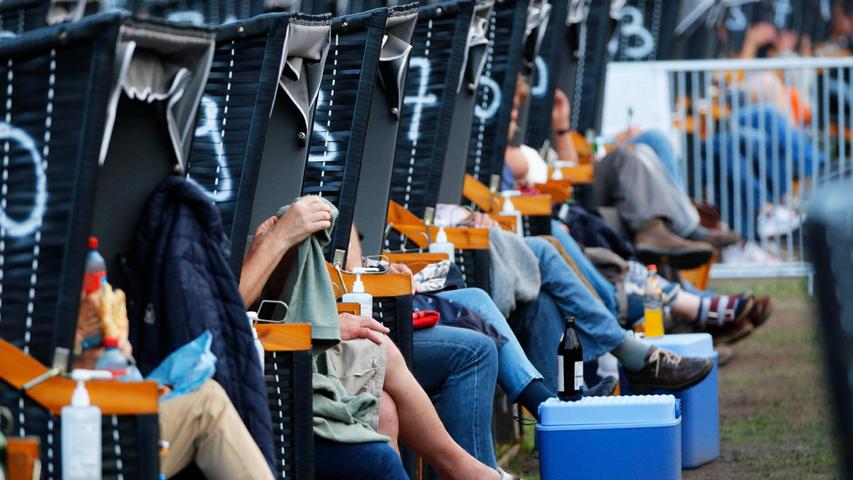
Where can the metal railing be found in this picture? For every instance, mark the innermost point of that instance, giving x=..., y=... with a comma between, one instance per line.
x=757, y=138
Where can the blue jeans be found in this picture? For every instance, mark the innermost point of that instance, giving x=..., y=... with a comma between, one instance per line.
x=368, y=461
x=660, y=143
x=515, y=371
x=761, y=143
x=602, y=286
x=540, y=324
x=458, y=368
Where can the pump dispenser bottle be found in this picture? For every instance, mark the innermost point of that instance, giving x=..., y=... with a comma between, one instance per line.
x=358, y=295
x=81, y=431
x=442, y=245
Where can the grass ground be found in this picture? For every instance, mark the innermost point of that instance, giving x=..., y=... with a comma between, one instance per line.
x=773, y=406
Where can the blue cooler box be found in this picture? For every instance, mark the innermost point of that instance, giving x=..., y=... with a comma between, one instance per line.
x=610, y=438
x=700, y=424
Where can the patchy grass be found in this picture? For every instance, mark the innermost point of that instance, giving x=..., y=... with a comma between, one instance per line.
x=773, y=401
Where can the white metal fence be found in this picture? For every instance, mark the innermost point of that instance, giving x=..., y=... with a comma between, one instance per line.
x=756, y=138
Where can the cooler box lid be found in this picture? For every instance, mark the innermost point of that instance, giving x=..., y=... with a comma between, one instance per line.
x=686, y=344
x=623, y=411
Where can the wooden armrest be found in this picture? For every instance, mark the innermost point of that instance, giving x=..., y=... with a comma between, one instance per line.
x=533, y=205
x=478, y=193
x=378, y=285
x=506, y=222
x=22, y=455
x=577, y=175
x=559, y=190
x=416, y=261
x=112, y=396
x=397, y=215
x=349, y=307
x=462, y=238
x=284, y=337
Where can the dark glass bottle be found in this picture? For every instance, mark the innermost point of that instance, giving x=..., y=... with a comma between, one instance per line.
x=570, y=364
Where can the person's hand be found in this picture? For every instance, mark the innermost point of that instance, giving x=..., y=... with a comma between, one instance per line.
x=760, y=34
x=626, y=135
x=786, y=41
x=481, y=220
x=403, y=269
x=357, y=326
x=399, y=268
x=561, y=111
x=304, y=218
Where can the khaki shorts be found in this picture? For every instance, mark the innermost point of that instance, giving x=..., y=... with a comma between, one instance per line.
x=360, y=366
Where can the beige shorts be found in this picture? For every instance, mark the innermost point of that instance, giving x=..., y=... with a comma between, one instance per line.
x=360, y=366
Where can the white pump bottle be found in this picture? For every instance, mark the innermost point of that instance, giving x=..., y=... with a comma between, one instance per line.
x=442, y=245
x=358, y=295
x=81, y=431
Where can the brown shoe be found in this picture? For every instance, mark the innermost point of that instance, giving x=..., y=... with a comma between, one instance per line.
x=718, y=237
x=761, y=311
x=656, y=244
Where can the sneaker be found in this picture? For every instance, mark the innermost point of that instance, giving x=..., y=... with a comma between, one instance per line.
x=656, y=244
x=748, y=253
x=777, y=221
x=668, y=371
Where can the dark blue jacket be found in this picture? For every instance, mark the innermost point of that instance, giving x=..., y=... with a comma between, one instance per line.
x=180, y=284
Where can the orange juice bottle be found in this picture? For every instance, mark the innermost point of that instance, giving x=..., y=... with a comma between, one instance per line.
x=653, y=304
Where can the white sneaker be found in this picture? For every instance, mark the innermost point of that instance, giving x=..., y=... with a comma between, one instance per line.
x=746, y=253
x=778, y=220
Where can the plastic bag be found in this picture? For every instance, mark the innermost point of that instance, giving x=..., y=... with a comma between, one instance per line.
x=187, y=368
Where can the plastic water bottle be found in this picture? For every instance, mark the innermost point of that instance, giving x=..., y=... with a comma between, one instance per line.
x=653, y=304
x=358, y=295
x=112, y=360
x=442, y=245
x=96, y=269
x=81, y=432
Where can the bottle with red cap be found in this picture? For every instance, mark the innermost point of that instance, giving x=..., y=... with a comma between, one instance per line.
x=653, y=304
x=113, y=360
x=96, y=269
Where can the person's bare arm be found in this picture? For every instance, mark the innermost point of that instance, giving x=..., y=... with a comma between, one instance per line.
x=354, y=251
x=275, y=237
x=517, y=163
x=560, y=113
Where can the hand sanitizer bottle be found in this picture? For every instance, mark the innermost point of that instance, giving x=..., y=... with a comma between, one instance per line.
x=441, y=245
x=81, y=431
x=358, y=295
x=253, y=317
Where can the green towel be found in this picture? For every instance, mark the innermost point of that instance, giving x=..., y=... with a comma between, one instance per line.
x=338, y=416
x=308, y=289
x=308, y=293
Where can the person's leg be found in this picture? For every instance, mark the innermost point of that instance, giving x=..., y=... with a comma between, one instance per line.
x=623, y=181
x=660, y=143
x=515, y=371
x=204, y=427
x=458, y=367
x=367, y=461
x=539, y=326
x=389, y=422
x=606, y=290
x=598, y=329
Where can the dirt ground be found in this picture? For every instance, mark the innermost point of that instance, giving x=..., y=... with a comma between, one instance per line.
x=774, y=420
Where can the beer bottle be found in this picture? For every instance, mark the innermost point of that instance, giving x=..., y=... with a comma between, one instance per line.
x=570, y=364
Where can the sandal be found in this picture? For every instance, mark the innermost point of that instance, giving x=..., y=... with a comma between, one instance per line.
x=727, y=317
x=761, y=311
